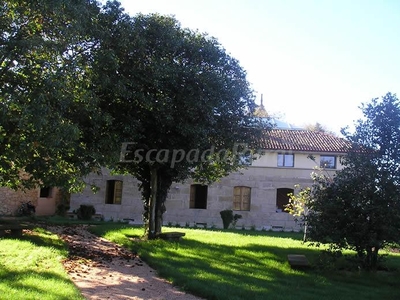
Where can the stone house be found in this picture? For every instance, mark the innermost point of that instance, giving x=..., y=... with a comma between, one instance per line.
x=258, y=192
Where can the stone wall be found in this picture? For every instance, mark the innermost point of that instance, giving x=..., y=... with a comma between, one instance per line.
x=10, y=200
x=263, y=182
x=131, y=206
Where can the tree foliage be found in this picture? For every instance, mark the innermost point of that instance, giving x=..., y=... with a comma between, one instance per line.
x=359, y=208
x=78, y=80
x=50, y=123
x=319, y=128
x=176, y=94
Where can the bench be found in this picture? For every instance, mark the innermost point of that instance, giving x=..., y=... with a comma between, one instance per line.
x=15, y=229
x=202, y=224
x=171, y=236
x=298, y=261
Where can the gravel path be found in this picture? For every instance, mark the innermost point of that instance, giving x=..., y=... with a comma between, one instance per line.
x=104, y=270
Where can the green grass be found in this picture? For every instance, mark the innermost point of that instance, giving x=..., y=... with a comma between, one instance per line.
x=251, y=265
x=30, y=268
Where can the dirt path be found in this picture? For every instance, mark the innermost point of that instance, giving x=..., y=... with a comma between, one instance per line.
x=103, y=270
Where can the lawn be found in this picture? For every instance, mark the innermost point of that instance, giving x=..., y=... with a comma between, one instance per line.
x=30, y=268
x=252, y=265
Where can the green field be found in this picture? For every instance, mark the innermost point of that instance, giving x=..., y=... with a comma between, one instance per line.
x=30, y=268
x=253, y=265
x=208, y=263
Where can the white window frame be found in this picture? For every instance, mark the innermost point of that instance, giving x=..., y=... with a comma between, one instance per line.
x=285, y=160
x=327, y=158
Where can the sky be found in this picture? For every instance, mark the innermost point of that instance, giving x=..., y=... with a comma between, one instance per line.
x=313, y=61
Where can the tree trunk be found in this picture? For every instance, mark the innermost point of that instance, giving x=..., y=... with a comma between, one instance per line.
x=164, y=184
x=305, y=215
x=154, y=192
x=305, y=232
x=159, y=216
x=374, y=258
x=159, y=204
x=151, y=219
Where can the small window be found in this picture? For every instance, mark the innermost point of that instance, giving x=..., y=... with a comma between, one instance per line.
x=114, y=192
x=241, y=198
x=282, y=198
x=45, y=192
x=328, y=162
x=285, y=160
x=198, y=196
x=246, y=159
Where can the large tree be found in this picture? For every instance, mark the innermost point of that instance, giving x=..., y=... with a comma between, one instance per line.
x=359, y=208
x=51, y=127
x=174, y=94
x=78, y=80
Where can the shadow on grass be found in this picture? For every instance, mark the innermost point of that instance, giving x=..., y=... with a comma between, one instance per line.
x=43, y=238
x=257, y=271
x=28, y=285
x=253, y=270
x=30, y=268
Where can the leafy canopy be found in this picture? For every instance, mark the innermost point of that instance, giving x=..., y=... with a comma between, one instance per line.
x=359, y=208
x=51, y=127
x=172, y=90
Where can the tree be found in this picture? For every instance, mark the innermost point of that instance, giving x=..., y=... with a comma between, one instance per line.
x=359, y=208
x=51, y=128
x=319, y=128
x=297, y=206
x=79, y=80
x=178, y=98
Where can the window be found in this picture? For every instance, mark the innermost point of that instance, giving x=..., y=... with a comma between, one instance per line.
x=282, y=198
x=45, y=192
x=114, y=192
x=198, y=196
x=285, y=160
x=328, y=162
x=241, y=198
x=245, y=159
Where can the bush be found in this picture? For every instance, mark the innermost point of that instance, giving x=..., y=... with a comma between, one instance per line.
x=228, y=218
x=85, y=212
x=62, y=209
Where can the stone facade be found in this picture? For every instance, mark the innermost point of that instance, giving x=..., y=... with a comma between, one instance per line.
x=264, y=183
x=131, y=206
x=45, y=205
x=11, y=200
x=263, y=212
x=289, y=158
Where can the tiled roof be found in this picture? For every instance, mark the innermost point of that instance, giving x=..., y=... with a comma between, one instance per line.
x=303, y=140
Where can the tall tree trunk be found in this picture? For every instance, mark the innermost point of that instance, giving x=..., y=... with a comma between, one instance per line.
x=305, y=232
x=164, y=184
x=158, y=207
x=374, y=258
x=151, y=219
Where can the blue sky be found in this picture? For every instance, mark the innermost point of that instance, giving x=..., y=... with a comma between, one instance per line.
x=313, y=61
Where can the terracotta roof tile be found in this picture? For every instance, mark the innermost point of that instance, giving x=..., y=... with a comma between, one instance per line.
x=304, y=140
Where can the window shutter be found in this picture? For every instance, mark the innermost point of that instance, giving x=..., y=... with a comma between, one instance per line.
x=236, y=198
x=246, y=194
x=192, y=196
x=118, y=192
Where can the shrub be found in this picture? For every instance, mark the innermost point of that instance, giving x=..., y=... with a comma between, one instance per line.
x=85, y=212
x=228, y=218
x=62, y=209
